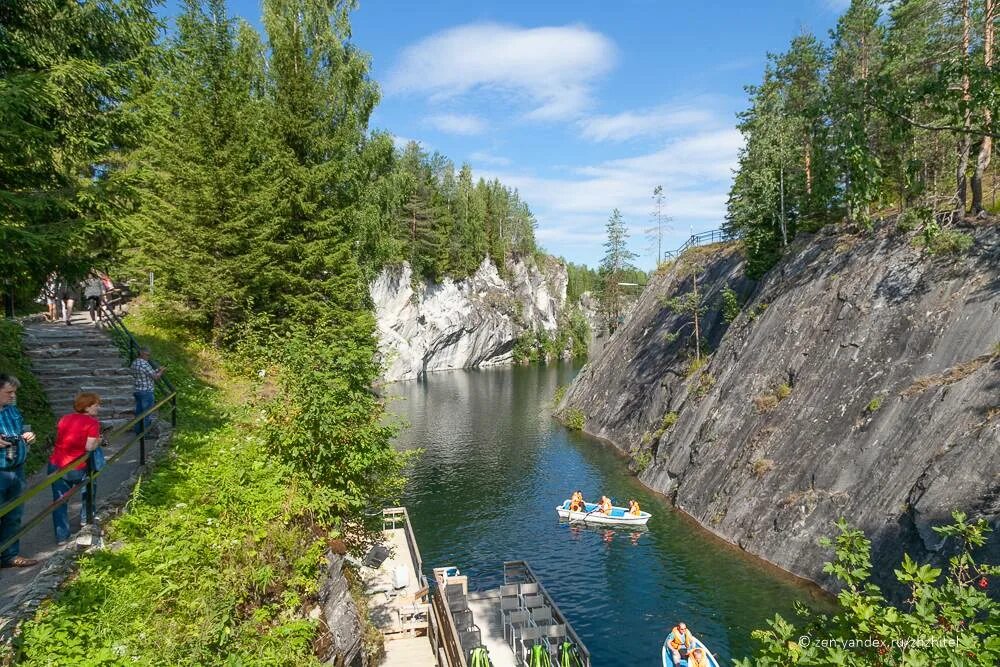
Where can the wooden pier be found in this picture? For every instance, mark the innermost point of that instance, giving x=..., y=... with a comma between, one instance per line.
x=440, y=625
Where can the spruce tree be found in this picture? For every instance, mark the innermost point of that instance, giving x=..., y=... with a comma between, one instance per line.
x=615, y=265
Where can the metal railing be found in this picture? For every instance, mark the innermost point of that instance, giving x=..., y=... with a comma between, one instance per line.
x=92, y=473
x=519, y=572
x=131, y=348
x=700, y=239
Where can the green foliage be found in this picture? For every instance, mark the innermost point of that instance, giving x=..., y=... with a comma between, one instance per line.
x=572, y=334
x=730, y=304
x=70, y=73
x=641, y=458
x=615, y=265
x=938, y=241
x=948, y=619
x=874, y=404
x=783, y=391
x=705, y=383
x=575, y=419
x=669, y=420
x=756, y=311
x=218, y=555
x=581, y=278
x=885, y=116
x=31, y=398
x=559, y=394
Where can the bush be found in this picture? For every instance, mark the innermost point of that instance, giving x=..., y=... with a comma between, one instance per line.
x=575, y=419
x=913, y=218
x=705, y=384
x=31, y=398
x=641, y=459
x=949, y=617
x=669, y=420
x=940, y=241
x=783, y=391
x=559, y=394
x=730, y=304
x=874, y=404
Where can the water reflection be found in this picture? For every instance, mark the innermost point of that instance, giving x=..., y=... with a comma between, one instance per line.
x=495, y=465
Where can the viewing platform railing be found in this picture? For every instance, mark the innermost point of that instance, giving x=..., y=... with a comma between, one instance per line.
x=700, y=239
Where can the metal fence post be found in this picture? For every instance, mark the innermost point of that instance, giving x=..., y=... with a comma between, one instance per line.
x=91, y=505
x=142, y=443
x=173, y=411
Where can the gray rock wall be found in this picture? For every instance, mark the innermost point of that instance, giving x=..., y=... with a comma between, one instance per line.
x=893, y=414
x=342, y=639
x=464, y=324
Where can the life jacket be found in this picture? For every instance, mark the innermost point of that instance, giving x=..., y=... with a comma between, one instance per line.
x=679, y=639
x=605, y=504
x=634, y=509
x=695, y=661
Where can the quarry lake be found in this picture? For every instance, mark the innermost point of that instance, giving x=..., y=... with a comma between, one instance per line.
x=493, y=468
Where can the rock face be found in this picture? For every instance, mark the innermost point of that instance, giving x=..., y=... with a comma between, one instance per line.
x=860, y=379
x=342, y=643
x=463, y=324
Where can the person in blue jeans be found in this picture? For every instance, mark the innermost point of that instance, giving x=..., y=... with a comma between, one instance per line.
x=145, y=377
x=77, y=434
x=14, y=441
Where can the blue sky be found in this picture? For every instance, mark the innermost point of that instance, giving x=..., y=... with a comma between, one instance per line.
x=582, y=105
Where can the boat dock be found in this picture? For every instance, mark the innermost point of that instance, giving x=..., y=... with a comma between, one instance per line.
x=442, y=624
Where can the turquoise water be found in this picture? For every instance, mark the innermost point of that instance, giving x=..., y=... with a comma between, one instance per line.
x=494, y=467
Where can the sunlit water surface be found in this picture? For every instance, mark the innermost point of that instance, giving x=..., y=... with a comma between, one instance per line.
x=495, y=465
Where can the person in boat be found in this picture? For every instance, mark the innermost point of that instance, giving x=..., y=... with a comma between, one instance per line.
x=680, y=642
x=604, y=506
x=576, y=503
x=633, y=507
x=698, y=658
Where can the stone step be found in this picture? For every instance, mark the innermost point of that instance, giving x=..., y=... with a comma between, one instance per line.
x=62, y=331
x=106, y=353
x=111, y=389
x=109, y=409
x=75, y=373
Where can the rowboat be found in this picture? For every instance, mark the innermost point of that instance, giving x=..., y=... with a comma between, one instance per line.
x=618, y=515
x=668, y=660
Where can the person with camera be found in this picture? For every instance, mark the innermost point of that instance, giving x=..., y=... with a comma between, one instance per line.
x=14, y=441
x=77, y=433
x=145, y=377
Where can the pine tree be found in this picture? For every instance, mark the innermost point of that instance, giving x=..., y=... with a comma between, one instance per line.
x=615, y=265
x=70, y=74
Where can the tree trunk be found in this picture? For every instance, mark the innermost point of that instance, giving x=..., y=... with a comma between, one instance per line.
x=784, y=224
x=809, y=173
x=986, y=149
x=965, y=142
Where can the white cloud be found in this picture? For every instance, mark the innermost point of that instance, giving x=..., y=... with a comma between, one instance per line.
x=484, y=157
x=650, y=122
x=455, y=123
x=695, y=171
x=551, y=69
x=401, y=142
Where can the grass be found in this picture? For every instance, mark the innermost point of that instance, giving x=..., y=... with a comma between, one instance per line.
x=216, y=560
x=30, y=398
x=669, y=420
x=949, y=376
x=575, y=419
x=874, y=404
x=769, y=401
x=762, y=466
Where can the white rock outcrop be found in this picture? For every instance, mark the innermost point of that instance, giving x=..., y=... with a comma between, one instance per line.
x=474, y=322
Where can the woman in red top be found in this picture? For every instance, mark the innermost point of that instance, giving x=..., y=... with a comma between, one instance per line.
x=76, y=434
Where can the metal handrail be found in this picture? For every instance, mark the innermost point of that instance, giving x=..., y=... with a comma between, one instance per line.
x=700, y=239
x=92, y=473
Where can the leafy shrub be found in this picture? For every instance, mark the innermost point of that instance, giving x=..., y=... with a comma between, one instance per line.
x=874, y=404
x=949, y=617
x=940, y=241
x=646, y=439
x=783, y=391
x=575, y=419
x=913, y=218
x=696, y=365
x=31, y=398
x=705, y=384
x=669, y=420
x=559, y=394
x=756, y=311
x=730, y=304
x=641, y=458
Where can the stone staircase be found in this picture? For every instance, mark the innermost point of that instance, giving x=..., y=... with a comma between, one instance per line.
x=80, y=357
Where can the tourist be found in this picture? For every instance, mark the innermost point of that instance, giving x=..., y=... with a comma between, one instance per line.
x=93, y=292
x=604, y=506
x=14, y=441
x=576, y=502
x=698, y=658
x=49, y=291
x=76, y=434
x=680, y=642
x=66, y=296
x=633, y=508
x=144, y=376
